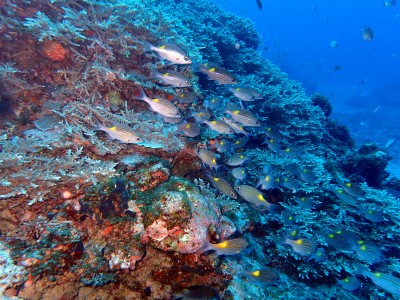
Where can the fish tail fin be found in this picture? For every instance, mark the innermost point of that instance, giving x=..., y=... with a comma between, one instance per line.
x=360, y=270
x=206, y=246
x=275, y=209
x=141, y=95
x=153, y=74
x=282, y=240
x=265, y=141
x=97, y=124
x=259, y=182
x=146, y=46
x=196, y=66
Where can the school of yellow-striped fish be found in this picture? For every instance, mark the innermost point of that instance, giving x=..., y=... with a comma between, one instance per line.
x=229, y=126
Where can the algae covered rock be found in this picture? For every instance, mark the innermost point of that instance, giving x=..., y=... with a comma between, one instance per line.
x=179, y=217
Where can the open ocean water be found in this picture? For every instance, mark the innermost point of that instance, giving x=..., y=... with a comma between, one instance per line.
x=320, y=44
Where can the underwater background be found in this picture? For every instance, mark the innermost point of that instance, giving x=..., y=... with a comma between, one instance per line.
x=200, y=149
x=360, y=78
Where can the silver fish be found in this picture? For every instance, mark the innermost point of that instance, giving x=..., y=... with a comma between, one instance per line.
x=121, y=133
x=186, y=97
x=237, y=128
x=214, y=102
x=386, y=281
x=239, y=173
x=252, y=195
x=223, y=186
x=208, y=158
x=240, y=142
x=219, y=126
x=190, y=129
x=245, y=93
x=244, y=117
x=170, y=52
x=237, y=159
x=201, y=115
x=160, y=105
x=266, y=182
x=221, y=146
x=273, y=145
x=214, y=72
x=264, y=275
x=302, y=246
x=228, y=247
x=173, y=78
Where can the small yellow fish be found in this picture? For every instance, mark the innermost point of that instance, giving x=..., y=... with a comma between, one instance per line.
x=350, y=283
x=264, y=275
x=254, y=196
x=228, y=247
x=302, y=246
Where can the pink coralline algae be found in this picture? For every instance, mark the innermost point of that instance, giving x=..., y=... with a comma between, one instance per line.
x=53, y=50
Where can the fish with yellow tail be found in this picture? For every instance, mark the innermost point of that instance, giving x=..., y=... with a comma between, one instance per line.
x=208, y=158
x=222, y=186
x=254, y=196
x=219, y=126
x=302, y=246
x=160, y=105
x=170, y=52
x=190, y=129
x=216, y=73
x=265, y=275
x=120, y=132
x=228, y=247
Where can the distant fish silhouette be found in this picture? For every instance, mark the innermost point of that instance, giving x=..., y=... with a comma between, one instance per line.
x=367, y=34
x=389, y=3
x=259, y=4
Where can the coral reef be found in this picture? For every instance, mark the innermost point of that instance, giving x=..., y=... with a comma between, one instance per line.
x=86, y=213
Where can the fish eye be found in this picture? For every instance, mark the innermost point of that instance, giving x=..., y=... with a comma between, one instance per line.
x=138, y=138
x=186, y=58
x=238, y=188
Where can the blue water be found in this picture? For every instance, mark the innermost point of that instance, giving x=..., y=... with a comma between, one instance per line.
x=360, y=78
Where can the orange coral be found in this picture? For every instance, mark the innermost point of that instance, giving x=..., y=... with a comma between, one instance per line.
x=54, y=51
